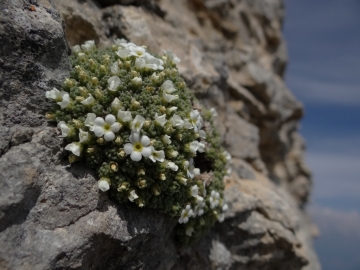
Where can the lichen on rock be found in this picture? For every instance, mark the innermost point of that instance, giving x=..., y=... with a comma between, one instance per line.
x=128, y=115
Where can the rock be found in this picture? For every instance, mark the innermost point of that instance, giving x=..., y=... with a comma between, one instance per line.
x=52, y=215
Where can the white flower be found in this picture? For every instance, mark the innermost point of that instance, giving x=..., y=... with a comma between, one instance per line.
x=124, y=116
x=65, y=130
x=187, y=124
x=103, y=185
x=147, y=61
x=171, y=165
x=201, y=147
x=176, y=121
x=137, y=147
x=88, y=45
x=81, y=55
x=76, y=49
x=89, y=122
x=194, y=190
x=136, y=81
x=83, y=136
x=161, y=120
x=168, y=98
x=194, y=146
x=186, y=214
x=189, y=230
x=75, y=148
x=227, y=156
x=88, y=101
x=196, y=120
x=225, y=207
x=172, y=57
x=172, y=109
x=65, y=102
x=116, y=105
x=107, y=127
x=213, y=112
x=54, y=94
x=137, y=123
x=113, y=82
x=119, y=41
x=221, y=217
x=137, y=51
x=154, y=78
x=133, y=196
x=166, y=139
x=123, y=53
x=168, y=87
x=214, y=199
x=114, y=68
x=157, y=155
x=199, y=208
x=190, y=169
x=202, y=134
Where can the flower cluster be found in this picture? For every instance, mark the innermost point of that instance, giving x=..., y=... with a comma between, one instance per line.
x=128, y=114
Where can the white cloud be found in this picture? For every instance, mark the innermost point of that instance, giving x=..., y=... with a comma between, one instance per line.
x=332, y=221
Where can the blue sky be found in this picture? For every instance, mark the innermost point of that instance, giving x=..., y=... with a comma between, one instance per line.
x=323, y=39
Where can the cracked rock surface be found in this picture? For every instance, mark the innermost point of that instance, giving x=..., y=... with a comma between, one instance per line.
x=233, y=56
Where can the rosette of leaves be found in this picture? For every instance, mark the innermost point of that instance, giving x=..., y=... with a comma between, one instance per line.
x=128, y=115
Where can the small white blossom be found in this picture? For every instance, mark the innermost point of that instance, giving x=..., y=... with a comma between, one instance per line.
x=166, y=139
x=199, y=208
x=225, y=207
x=123, y=53
x=88, y=45
x=176, y=121
x=202, y=134
x=213, y=112
x=161, y=120
x=83, y=136
x=157, y=155
x=171, y=165
x=54, y=94
x=138, y=147
x=221, y=217
x=114, y=68
x=154, y=77
x=107, y=127
x=201, y=147
x=89, y=122
x=103, y=185
x=137, y=51
x=75, y=148
x=227, y=156
x=65, y=130
x=120, y=41
x=194, y=191
x=172, y=57
x=168, y=87
x=194, y=146
x=136, y=81
x=190, y=169
x=116, y=105
x=81, y=55
x=168, y=98
x=172, y=109
x=214, y=199
x=137, y=123
x=187, y=124
x=195, y=120
x=76, y=49
x=65, y=102
x=124, y=116
x=186, y=214
x=189, y=230
x=133, y=196
x=113, y=82
x=89, y=101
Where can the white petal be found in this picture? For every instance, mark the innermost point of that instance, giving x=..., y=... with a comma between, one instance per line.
x=109, y=136
x=136, y=156
x=202, y=134
x=114, y=68
x=123, y=53
x=99, y=121
x=113, y=82
x=145, y=141
x=125, y=116
x=75, y=148
x=99, y=131
x=116, y=105
x=128, y=148
x=146, y=151
x=161, y=120
x=83, y=136
x=90, y=119
x=168, y=86
x=103, y=185
x=110, y=119
x=88, y=101
x=134, y=137
x=115, y=127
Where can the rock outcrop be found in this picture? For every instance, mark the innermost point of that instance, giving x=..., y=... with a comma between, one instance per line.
x=52, y=215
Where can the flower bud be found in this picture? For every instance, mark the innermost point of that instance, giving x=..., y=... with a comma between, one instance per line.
x=113, y=166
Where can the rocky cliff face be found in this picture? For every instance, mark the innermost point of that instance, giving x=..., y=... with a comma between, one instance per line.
x=233, y=56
